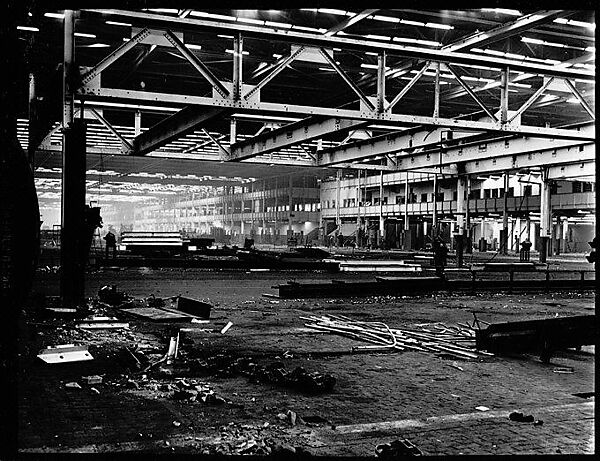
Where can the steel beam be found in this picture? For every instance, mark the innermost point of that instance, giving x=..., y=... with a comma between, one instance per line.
x=408, y=86
x=573, y=171
x=503, y=96
x=126, y=144
x=580, y=98
x=173, y=127
x=238, y=48
x=115, y=55
x=368, y=45
x=471, y=93
x=381, y=58
x=289, y=135
x=347, y=79
x=225, y=153
x=179, y=99
x=534, y=97
x=197, y=63
x=280, y=66
x=349, y=21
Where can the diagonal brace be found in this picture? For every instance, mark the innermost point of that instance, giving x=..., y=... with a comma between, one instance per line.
x=408, y=86
x=225, y=153
x=350, y=83
x=112, y=57
x=282, y=65
x=199, y=65
x=579, y=97
x=112, y=129
x=470, y=92
x=534, y=97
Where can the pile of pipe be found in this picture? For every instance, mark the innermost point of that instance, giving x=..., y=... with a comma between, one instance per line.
x=448, y=340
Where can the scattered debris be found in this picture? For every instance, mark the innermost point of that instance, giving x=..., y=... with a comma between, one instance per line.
x=520, y=417
x=65, y=353
x=565, y=370
x=93, y=379
x=73, y=385
x=482, y=408
x=173, y=349
x=195, y=320
x=397, y=449
x=455, y=365
x=176, y=423
x=93, y=389
x=226, y=327
x=110, y=296
x=194, y=307
x=438, y=338
x=158, y=314
x=96, y=323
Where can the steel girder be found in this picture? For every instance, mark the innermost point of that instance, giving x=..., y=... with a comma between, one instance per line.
x=287, y=109
x=173, y=127
x=573, y=171
x=291, y=134
x=370, y=45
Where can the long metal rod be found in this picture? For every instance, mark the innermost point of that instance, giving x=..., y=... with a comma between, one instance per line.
x=504, y=79
x=532, y=99
x=223, y=149
x=238, y=47
x=579, y=97
x=408, y=86
x=111, y=128
x=282, y=65
x=308, y=38
x=115, y=55
x=346, y=78
x=436, y=89
x=470, y=92
x=381, y=58
x=197, y=63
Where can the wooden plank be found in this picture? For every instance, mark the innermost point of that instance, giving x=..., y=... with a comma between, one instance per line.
x=158, y=315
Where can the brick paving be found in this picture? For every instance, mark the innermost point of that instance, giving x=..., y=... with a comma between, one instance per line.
x=370, y=388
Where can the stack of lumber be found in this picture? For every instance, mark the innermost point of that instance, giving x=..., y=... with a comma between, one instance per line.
x=452, y=340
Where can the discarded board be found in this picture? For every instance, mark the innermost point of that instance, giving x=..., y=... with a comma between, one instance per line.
x=65, y=353
x=194, y=307
x=158, y=315
x=545, y=335
x=102, y=323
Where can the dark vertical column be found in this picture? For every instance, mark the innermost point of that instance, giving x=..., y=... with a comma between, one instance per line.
x=72, y=255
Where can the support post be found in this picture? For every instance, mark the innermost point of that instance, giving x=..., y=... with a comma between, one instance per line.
x=290, y=206
x=381, y=220
x=434, y=230
x=460, y=218
x=468, y=236
x=545, y=215
x=33, y=123
x=72, y=254
x=504, y=240
x=436, y=100
x=565, y=233
x=381, y=81
x=407, y=244
x=338, y=221
x=138, y=123
x=504, y=95
x=358, y=219
x=238, y=46
x=233, y=131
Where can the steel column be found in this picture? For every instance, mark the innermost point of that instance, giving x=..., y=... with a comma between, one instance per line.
x=504, y=240
x=33, y=123
x=381, y=220
x=238, y=47
x=545, y=215
x=460, y=217
x=504, y=95
x=436, y=96
x=337, y=199
x=138, y=123
x=381, y=81
x=290, y=205
x=468, y=236
x=407, y=239
x=435, y=216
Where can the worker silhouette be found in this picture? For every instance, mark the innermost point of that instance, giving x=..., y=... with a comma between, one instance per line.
x=111, y=242
x=525, y=250
x=440, y=256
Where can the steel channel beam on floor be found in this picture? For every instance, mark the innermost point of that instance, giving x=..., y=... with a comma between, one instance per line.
x=291, y=134
x=135, y=95
x=324, y=41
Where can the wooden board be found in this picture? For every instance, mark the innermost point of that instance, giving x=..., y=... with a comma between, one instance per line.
x=158, y=315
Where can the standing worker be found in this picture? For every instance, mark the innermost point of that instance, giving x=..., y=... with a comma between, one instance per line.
x=440, y=255
x=525, y=250
x=111, y=242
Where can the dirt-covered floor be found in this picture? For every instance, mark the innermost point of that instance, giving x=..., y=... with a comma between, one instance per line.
x=203, y=404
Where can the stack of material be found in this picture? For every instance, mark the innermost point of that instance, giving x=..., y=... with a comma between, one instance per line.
x=353, y=265
x=451, y=340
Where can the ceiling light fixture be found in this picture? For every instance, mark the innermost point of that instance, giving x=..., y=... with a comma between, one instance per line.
x=503, y=11
x=27, y=28
x=116, y=23
x=81, y=34
x=54, y=15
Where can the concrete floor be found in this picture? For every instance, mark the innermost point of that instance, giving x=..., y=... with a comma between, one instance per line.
x=378, y=397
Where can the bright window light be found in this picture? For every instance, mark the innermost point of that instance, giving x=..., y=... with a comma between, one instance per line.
x=277, y=56
x=503, y=11
x=98, y=45
x=251, y=20
x=81, y=34
x=412, y=23
x=307, y=29
x=571, y=22
x=327, y=69
x=435, y=25
x=225, y=36
x=378, y=37
x=116, y=23
x=243, y=52
x=334, y=11
x=54, y=15
x=30, y=29
x=202, y=14
x=385, y=18
x=282, y=25
x=370, y=66
x=416, y=40
x=573, y=100
x=591, y=49
x=193, y=46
